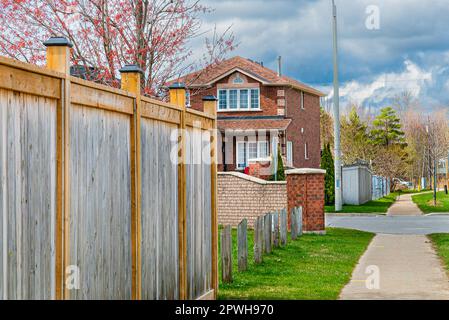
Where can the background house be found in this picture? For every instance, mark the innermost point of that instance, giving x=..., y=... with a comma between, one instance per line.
x=254, y=104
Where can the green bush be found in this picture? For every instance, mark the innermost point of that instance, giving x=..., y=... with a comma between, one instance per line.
x=327, y=163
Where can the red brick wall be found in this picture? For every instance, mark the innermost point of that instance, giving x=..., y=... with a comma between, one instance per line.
x=307, y=191
x=241, y=197
x=309, y=119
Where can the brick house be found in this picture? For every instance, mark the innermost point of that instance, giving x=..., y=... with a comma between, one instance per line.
x=254, y=105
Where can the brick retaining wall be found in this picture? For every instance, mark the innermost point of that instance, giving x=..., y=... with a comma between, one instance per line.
x=241, y=196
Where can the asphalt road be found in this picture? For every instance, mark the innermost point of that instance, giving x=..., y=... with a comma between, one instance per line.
x=416, y=225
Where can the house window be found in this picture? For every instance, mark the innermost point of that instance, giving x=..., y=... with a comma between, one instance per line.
x=238, y=99
x=255, y=99
x=306, y=151
x=263, y=149
x=223, y=100
x=302, y=100
x=290, y=153
x=241, y=155
x=247, y=151
x=252, y=150
x=244, y=99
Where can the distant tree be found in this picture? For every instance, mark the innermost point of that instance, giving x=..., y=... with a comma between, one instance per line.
x=327, y=163
x=327, y=128
x=387, y=129
x=355, y=140
x=280, y=168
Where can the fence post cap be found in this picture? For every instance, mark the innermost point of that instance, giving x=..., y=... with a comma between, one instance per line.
x=177, y=85
x=210, y=98
x=58, y=42
x=131, y=68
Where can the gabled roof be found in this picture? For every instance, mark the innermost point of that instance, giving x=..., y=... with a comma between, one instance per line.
x=268, y=77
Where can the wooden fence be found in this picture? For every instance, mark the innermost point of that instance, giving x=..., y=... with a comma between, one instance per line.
x=103, y=180
x=270, y=232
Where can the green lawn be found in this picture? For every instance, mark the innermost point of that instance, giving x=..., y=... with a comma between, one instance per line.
x=376, y=206
x=441, y=242
x=425, y=202
x=311, y=268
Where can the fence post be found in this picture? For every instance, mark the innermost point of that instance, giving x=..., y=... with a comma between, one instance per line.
x=178, y=98
x=299, y=221
x=242, y=245
x=131, y=76
x=210, y=107
x=258, y=240
x=267, y=224
x=58, y=59
x=226, y=255
x=283, y=227
x=294, y=224
x=275, y=217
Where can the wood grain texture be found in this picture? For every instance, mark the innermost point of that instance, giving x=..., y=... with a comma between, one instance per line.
x=294, y=223
x=100, y=204
x=267, y=225
x=258, y=240
x=283, y=227
x=275, y=231
x=226, y=255
x=242, y=246
x=28, y=187
x=198, y=209
x=160, y=263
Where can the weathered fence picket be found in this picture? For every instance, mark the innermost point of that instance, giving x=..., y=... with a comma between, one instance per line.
x=299, y=221
x=283, y=227
x=258, y=240
x=294, y=224
x=275, y=231
x=226, y=255
x=242, y=248
x=267, y=233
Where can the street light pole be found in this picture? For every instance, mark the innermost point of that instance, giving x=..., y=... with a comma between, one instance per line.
x=337, y=151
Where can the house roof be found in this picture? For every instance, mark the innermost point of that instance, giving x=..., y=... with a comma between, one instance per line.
x=253, y=124
x=268, y=77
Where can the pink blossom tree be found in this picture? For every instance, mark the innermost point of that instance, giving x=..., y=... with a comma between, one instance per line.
x=107, y=34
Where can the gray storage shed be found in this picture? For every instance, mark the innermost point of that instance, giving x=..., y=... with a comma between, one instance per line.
x=356, y=184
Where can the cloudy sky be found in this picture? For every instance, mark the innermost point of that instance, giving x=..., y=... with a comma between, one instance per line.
x=409, y=51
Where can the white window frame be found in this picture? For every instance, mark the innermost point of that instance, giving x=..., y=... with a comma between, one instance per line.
x=239, y=108
x=290, y=153
x=246, y=148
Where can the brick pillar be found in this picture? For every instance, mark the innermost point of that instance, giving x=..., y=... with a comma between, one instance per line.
x=305, y=188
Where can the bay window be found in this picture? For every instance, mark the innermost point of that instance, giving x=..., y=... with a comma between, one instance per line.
x=238, y=99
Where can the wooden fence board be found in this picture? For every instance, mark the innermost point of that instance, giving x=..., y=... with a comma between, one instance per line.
x=100, y=216
x=267, y=224
x=294, y=224
x=226, y=255
x=283, y=227
x=160, y=268
x=299, y=221
x=242, y=245
x=275, y=230
x=28, y=169
x=258, y=240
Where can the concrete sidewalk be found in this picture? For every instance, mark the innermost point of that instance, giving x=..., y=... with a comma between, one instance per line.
x=408, y=269
x=404, y=206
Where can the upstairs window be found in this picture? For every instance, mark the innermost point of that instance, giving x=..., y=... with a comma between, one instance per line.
x=238, y=99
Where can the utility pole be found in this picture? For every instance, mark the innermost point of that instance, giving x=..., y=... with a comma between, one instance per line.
x=337, y=151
